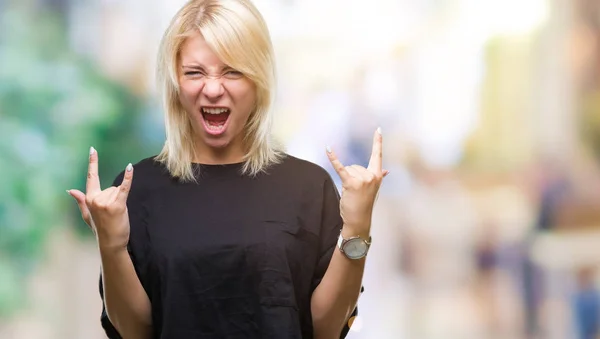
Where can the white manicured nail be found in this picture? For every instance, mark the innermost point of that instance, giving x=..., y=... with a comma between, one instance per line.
x=129, y=167
x=379, y=130
x=328, y=149
x=92, y=150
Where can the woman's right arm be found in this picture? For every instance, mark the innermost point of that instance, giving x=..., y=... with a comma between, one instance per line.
x=127, y=304
x=105, y=211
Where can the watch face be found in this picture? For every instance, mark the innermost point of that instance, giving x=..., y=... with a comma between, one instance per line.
x=355, y=248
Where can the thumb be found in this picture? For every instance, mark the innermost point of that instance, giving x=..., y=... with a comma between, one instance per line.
x=80, y=199
x=78, y=196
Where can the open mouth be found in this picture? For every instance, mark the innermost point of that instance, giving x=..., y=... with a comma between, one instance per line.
x=215, y=119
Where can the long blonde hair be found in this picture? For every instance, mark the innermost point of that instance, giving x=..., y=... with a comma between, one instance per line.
x=239, y=36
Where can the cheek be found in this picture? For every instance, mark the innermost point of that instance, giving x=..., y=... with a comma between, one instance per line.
x=188, y=93
x=246, y=98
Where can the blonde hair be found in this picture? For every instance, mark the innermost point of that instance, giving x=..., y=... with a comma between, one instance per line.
x=239, y=36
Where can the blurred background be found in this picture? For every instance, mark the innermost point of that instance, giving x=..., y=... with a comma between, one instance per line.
x=488, y=225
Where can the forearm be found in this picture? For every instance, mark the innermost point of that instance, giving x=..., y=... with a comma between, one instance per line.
x=334, y=299
x=127, y=304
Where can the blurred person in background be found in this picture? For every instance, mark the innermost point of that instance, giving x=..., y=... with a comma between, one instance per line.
x=487, y=266
x=223, y=234
x=553, y=187
x=586, y=304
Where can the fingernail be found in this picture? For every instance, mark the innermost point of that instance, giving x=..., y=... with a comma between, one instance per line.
x=69, y=192
x=129, y=167
x=379, y=130
x=328, y=149
x=92, y=150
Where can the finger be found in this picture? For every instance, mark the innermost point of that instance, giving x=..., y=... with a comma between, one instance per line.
x=106, y=199
x=359, y=172
x=376, y=153
x=385, y=173
x=337, y=165
x=354, y=172
x=80, y=199
x=126, y=184
x=93, y=181
x=112, y=195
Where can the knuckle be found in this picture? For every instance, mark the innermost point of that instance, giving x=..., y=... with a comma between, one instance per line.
x=100, y=204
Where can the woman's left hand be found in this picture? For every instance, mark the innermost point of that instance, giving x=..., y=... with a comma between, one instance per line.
x=359, y=188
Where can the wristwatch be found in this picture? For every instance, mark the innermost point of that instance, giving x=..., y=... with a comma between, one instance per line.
x=355, y=247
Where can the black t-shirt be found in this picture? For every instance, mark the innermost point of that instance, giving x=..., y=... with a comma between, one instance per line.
x=231, y=256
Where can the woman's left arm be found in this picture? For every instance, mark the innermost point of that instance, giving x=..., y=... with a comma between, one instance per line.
x=334, y=299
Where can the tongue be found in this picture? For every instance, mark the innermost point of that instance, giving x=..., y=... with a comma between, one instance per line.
x=216, y=119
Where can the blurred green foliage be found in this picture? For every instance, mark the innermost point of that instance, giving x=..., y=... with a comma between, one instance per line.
x=54, y=105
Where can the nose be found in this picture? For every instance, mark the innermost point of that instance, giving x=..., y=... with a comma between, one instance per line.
x=213, y=88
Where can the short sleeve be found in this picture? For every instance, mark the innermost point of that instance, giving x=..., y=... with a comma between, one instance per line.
x=109, y=329
x=331, y=226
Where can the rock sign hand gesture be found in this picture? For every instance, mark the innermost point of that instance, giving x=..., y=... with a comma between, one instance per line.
x=105, y=211
x=360, y=187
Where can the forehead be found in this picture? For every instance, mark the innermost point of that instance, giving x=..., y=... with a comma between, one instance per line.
x=195, y=51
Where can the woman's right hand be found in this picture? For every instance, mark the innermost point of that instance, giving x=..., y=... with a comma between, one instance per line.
x=105, y=211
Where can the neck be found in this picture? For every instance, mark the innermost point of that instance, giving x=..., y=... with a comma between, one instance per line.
x=215, y=158
x=230, y=154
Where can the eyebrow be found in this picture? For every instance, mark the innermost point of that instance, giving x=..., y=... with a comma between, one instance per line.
x=200, y=67
x=192, y=66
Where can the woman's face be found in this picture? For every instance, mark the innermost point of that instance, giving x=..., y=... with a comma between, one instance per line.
x=217, y=98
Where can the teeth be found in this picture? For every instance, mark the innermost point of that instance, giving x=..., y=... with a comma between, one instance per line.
x=215, y=128
x=214, y=110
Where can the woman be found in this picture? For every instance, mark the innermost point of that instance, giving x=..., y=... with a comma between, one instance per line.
x=222, y=235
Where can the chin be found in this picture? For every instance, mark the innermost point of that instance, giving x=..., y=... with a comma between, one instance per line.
x=217, y=143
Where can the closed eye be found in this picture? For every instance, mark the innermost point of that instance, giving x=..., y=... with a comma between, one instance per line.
x=193, y=73
x=233, y=74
